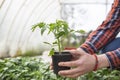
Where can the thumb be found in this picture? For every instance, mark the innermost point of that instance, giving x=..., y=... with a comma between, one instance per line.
x=76, y=52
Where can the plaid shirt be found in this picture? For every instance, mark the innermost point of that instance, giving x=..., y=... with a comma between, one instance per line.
x=105, y=33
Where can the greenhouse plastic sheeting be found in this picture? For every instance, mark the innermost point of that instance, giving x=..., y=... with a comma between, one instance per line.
x=16, y=19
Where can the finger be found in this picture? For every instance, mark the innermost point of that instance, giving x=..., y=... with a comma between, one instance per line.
x=73, y=75
x=69, y=72
x=75, y=53
x=70, y=63
x=51, y=66
x=71, y=51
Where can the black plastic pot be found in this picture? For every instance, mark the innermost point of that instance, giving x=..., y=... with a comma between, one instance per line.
x=62, y=57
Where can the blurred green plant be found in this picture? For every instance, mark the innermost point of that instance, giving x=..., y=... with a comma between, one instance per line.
x=32, y=53
x=31, y=68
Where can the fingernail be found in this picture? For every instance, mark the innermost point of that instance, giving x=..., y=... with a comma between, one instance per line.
x=60, y=64
x=59, y=72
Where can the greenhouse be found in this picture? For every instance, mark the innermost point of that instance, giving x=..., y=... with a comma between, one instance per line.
x=35, y=32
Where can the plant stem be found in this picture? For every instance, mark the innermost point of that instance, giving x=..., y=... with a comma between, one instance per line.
x=59, y=45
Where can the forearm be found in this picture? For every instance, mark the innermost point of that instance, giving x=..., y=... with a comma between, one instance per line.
x=110, y=59
x=103, y=61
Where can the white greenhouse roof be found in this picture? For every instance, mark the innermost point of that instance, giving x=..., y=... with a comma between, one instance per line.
x=16, y=19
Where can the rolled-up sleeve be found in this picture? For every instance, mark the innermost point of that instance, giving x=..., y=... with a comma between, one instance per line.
x=105, y=33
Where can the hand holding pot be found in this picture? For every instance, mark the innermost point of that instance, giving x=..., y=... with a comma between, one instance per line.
x=82, y=63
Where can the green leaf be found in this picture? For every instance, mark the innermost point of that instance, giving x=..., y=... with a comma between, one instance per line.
x=72, y=30
x=60, y=34
x=47, y=43
x=51, y=52
x=54, y=42
x=33, y=27
x=43, y=30
x=65, y=24
x=66, y=29
x=81, y=31
x=62, y=24
x=41, y=24
x=52, y=27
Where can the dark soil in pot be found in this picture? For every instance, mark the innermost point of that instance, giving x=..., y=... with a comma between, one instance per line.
x=62, y=57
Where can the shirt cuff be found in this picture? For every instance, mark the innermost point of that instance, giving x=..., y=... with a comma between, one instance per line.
x=109, y=62
x=89, y=48
x=113, y=59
